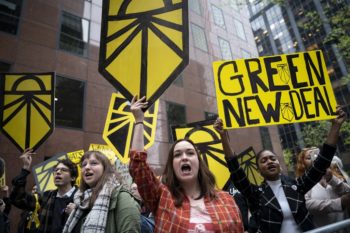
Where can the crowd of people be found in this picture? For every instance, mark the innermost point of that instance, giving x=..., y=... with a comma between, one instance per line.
x=186, y=198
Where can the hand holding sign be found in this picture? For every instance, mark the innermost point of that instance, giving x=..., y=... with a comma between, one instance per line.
x=138, y=142
x=341, y=116
x=333, y=135
x=26, y=158
x=136, y=108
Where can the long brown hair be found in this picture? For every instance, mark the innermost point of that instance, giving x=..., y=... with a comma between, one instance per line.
x=206, y=179
x=108, y=173
x=301, y=168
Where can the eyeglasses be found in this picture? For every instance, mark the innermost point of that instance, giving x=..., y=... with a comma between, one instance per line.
x=62, y=169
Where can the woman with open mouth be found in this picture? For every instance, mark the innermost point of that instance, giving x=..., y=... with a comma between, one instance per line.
x=102, y=203
x=187, y=200
x=278, y=204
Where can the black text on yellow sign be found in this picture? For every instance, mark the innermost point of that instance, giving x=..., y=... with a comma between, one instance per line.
x=274, y=90
x=144, y=45
x=27, y=108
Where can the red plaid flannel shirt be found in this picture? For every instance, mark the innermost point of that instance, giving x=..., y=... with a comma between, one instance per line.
x=223, y=210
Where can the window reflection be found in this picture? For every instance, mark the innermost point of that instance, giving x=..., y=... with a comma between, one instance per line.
x=69, y=102
x=10, y=11
x=176, y=114
x=74, y=34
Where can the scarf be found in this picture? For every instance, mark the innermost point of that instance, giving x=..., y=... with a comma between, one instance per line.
x=34, y=217
x=96, y=220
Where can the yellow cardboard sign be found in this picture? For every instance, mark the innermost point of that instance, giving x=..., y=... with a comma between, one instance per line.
x=144, y=45
x=27, y=108
x=273, y=90
x=105, y=149
x=119, y=126
x=75, y=157
x=247, y=161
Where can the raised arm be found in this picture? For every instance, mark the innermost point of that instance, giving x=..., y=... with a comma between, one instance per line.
x=18, y=196
x=218, y=126
x=323, y=161
x=147, y=182
x=333, y=134
x=238, y=176
x=136, y=108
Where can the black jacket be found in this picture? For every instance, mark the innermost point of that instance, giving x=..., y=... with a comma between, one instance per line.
x=263, y=203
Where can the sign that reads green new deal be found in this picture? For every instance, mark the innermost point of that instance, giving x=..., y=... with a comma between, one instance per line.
x=273, y=90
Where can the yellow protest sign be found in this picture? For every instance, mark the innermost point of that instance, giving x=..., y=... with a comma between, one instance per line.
x=75, y=157
x=43, y=172
x=105, y=149
x=119, y=126
x=247, y=160
x=144, y=46
x=209, y=144
x=272, y=90
x=27, y=108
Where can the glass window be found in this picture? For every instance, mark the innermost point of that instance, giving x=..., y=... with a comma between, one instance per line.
x=69, y=102
x=179, y=81
x=218, y=17
x=234, y=4
x=4, y=67
x=176, y=114
x=194, y=5
x=240, y=29
x=74, y=34
x=210, y=116
x=225, y=49
x=245, y=54
x=199, y=39
x=10, y=11
x=279, y=30
x=265, y=138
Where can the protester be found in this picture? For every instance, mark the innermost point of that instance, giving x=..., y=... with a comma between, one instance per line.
x=29, y=221
x=188, y=200
x=147, y=219
x=102, y=203
x=55, y=205
x=278, y=205
x=338, y=171
x=242, y=206
x=329, y=199
x=5, y=208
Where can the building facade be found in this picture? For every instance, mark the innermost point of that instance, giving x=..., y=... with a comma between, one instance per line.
x=63, y=36
x=280, y=29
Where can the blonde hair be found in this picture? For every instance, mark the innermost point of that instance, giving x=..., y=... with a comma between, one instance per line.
x=301, y=168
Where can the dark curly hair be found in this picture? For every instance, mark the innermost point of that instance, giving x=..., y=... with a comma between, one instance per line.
x=73, y=170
